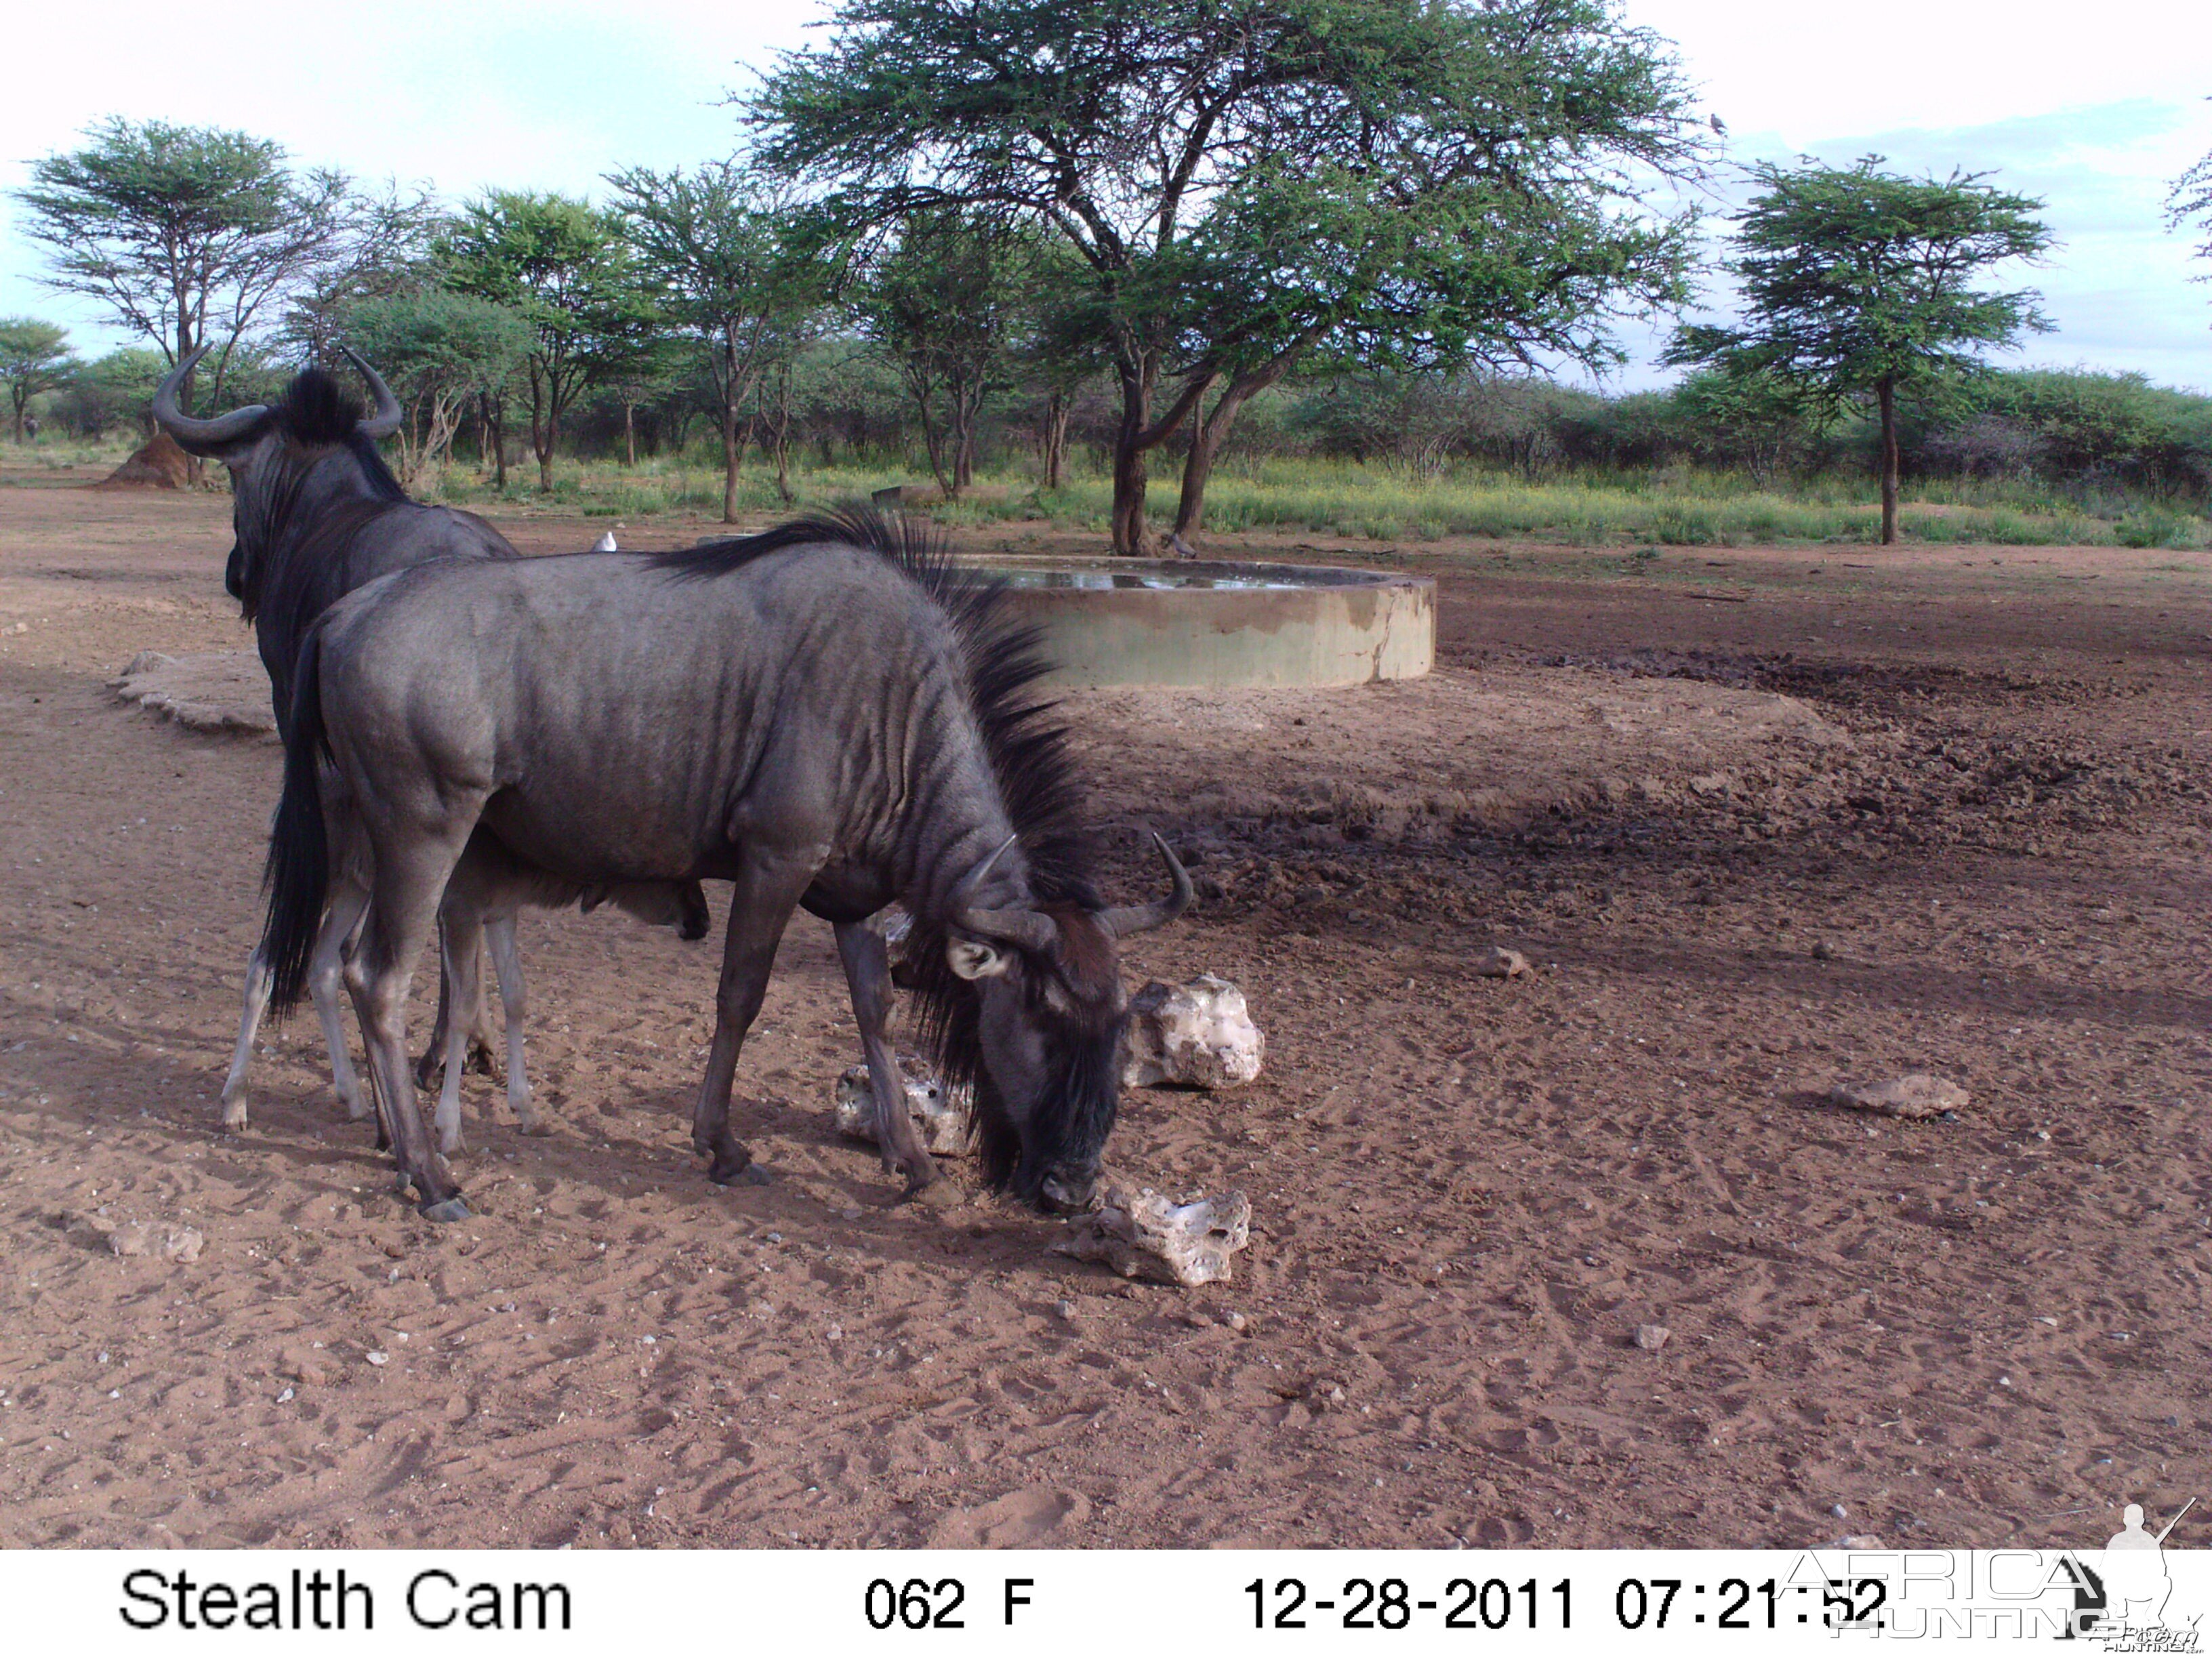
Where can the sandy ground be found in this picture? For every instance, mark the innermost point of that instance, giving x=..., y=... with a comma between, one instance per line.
x=1764, y=819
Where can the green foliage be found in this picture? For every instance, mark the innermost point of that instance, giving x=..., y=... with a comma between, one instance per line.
x=1861, y=284
x=110, y=390
x=948, y=304
x=1854, y=279
x=736, y=265
x=564, y=268
x=438, y=350
x=181, y=231
x=1460, y=183
x=2191, y=202
x=35, y=358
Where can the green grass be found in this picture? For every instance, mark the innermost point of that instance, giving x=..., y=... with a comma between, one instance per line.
x=1673, y=506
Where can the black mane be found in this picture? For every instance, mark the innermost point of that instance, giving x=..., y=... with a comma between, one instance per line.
x=289, y=564
x=1029, y=759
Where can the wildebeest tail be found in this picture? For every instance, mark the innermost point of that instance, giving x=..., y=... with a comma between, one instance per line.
x=298, y=874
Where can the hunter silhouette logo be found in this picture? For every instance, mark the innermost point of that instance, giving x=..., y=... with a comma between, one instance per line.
x=2122, y=1601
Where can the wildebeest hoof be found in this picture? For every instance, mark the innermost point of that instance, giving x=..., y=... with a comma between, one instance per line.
x=731, y=1162
x=918, y=1180
x=234, y=1114
x=533, y=1124
x=446, y=1209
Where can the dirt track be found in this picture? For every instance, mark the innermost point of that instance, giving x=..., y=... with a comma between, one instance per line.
x=1764, y=819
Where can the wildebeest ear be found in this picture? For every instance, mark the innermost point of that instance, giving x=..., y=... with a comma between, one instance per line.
x=973, y=958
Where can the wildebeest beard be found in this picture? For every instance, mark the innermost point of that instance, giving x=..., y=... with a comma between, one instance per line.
x=1069, y=1124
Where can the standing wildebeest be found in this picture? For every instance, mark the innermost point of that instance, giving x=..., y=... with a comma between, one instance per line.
x=825, y=715
x=316, y=514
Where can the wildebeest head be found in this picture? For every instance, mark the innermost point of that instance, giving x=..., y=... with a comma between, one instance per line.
x=1049, y=1027
x=270, y=450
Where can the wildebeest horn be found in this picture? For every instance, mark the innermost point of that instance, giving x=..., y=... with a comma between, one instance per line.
x=385, y=419
x=1123, y=920
x=201, y=437
x=1032, y=930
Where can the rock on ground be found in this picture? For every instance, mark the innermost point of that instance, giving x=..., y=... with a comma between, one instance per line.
x=1496, y=962
x=208, y=691
x=1140, y=1235
x=947, y=1121
x=1199, y=1035
x=1916, y=1095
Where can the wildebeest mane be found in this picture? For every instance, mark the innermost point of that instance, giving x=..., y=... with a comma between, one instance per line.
x=284, y=568
x=1038, y=786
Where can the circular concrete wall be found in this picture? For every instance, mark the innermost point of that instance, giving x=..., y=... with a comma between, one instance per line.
x=1134, y=621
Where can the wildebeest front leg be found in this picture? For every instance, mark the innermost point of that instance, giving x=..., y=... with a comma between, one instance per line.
x=868, y=976
x=459, y=936
x=325, y=978
x=431, y=1066
x=762, y=900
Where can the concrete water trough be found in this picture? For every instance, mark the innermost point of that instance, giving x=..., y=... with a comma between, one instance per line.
x=1135, y=622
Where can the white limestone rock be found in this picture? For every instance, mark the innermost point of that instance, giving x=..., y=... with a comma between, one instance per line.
x=1199, y=1035
x=1141, y=1235
x=947, y=1120
x=1916, y=1095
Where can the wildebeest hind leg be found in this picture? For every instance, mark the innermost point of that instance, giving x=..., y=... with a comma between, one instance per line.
x=762, y=900
x=411, y=866
x=257, y=983
x=868, y=976
x=326, y=973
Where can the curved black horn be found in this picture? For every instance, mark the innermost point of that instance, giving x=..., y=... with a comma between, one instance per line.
x=201, y=437
x=385, y=419
x=1123, y=920
x=1032, y=930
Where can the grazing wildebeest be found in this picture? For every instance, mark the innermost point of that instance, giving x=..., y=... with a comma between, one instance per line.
x=827, y=714
x=316, y=514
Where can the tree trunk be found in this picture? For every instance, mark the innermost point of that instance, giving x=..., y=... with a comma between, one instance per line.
x=543, y=424
x=1128, y=533
x=1207, y=436
x=495, y=416
x=1886, y=394
x=630, y=434
x=733, y=451
x=1055, y=438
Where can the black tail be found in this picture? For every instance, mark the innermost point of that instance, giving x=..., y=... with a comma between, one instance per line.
x=298, y=876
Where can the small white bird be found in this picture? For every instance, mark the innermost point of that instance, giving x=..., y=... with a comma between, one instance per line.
x=605, y=543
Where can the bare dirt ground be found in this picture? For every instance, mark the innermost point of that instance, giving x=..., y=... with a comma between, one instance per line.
x=1764, y=819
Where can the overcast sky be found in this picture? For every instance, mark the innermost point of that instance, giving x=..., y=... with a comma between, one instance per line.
x=2095, y=111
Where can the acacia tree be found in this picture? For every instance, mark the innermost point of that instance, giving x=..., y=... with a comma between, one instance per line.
x=2191, y=201
x=1861, y=285
x=34, y=357
x=563, y=267
x=441, y=352
x=734, y=262
x=945, y=305
x=1460, y=181
x=182, y=232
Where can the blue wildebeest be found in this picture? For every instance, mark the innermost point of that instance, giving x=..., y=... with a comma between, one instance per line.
x=315, y=513
x=826, y=714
